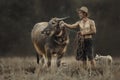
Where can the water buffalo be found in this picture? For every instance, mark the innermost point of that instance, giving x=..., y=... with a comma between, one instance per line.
x=50, y=38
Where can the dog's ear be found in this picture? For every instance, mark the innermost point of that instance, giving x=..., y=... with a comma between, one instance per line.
x=96, y=55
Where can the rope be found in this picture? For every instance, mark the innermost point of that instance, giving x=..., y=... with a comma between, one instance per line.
x=79, y=44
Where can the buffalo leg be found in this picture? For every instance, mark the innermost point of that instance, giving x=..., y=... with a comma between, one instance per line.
x=40, y=58
x=48, y=58
x=59, y=59
x=37, y=58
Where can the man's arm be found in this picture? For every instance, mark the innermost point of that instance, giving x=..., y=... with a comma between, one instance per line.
x=75, y=25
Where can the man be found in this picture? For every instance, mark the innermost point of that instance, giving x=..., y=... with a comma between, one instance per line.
x=87, y=29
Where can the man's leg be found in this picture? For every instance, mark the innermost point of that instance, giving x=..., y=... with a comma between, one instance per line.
x=93, y=64
x=85, y=64
x=85, y=61
x=89, y=53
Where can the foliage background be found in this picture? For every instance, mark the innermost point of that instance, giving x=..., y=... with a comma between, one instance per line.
x=17, y=18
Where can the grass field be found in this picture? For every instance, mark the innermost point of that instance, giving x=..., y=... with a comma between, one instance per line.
x=19, y=68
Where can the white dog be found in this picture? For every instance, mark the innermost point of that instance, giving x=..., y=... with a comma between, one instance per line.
x=104, y=59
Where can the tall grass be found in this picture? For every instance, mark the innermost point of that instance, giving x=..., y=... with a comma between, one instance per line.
x=17, y=68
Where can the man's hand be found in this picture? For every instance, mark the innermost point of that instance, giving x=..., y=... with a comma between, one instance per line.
x=62, y=23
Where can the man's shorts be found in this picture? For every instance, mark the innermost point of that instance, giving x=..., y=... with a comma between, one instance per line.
x=85, y=51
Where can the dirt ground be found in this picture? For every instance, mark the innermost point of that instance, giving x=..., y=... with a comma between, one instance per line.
x=19, y=68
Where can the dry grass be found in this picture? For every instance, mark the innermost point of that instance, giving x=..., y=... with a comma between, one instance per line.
x=26, y=69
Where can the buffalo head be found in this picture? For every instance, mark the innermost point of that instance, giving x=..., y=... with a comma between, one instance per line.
x=53, y=26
